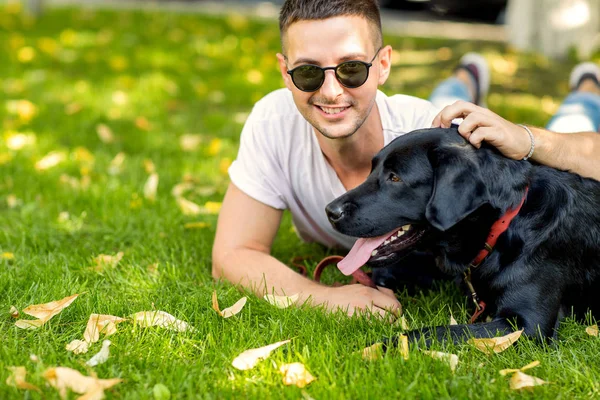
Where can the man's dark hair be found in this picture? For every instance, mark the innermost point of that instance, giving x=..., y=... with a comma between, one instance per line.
x=299, y=10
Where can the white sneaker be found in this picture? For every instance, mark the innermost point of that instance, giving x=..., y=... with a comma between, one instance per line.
x=580, y=71
x=477, y=65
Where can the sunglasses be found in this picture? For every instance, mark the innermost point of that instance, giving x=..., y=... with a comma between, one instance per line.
x=350, y=74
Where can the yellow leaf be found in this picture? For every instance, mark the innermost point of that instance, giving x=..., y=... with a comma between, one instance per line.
x=12, y=201
x=105, y=133
x=162, y=319
x=592, y=330
x=403, y=342
x=104, y=261
x=452, y=320
x=448, y=358
x=402, y=323
x=190, y=142
x=14, y=312
x=62, y=378
x=520, y=380
x=188, y=207
x=212, y=207
x=24, y=109
x=196, y=225
x=26, y=54
x=116, y=165
x=101, y=356
x=142, y=123
x=149, y=166
x=224, y=165
x=50, y=160
x=497, y=344
x=17, y=141
x=44, y=312
x=7, y=256
x=179, y=189
x=73, y=108
x=254, y=76
x=100, y=323
x=17, y=379
x=78, y=346
x=214, y=147
x=373, y=352
x=296, y=374
x=281, y=301
x=230, y=311
x=151, y=187
x=249, y=358
x=512, y=370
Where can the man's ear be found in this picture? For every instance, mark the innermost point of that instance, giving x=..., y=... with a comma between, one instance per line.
x=458, y=187
x=287, y=79
x=385, y=63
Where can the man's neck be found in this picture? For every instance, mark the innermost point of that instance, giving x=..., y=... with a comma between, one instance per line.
x=351, y=157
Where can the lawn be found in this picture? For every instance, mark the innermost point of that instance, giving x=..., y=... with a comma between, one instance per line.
x=95, y=104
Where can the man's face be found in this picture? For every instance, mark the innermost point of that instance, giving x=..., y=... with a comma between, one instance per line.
x=334, y=110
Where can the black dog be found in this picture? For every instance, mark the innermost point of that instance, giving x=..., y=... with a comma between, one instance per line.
x=432, y=191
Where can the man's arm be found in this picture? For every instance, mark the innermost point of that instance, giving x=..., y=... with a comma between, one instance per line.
x=576, y=152
x=241, y=255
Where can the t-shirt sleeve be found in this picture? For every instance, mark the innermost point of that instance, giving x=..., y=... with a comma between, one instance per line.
x=256, y=171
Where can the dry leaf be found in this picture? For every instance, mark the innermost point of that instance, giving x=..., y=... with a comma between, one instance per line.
x=105, y=133
x=17, y=141
x=523, y=381
x=452, y=320
x=448, y=358
x=249, y=358
x=116, y=165
x=190, y=142
x=101, y=356
x=373, y=352
x=510, y=370
x=592, y=330
x=44, y=312
x=14, y=312
x=281, y=301
x=17, y=379
x=402, y=323
x=100, y=323
x=188, y=207
x=78, y=346
x=403, y=343
x=179, y=189
x=142, y=123
x=107, y=261
x=149, y=166
x=160, y=318
x=496, y=344
x=151, y=186
x=50, y=160
x=62, y=378
x=296, y=374
x=230, y=311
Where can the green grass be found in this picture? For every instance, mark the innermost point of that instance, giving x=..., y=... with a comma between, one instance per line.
x=189, y=74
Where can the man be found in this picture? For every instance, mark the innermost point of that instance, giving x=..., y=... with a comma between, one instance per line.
x=305, y=145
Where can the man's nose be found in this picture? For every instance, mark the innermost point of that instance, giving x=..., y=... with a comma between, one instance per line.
x=331, y=87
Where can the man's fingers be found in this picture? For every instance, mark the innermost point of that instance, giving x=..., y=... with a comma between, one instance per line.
x=387, y=291
x=387, y=302
x=458, y=109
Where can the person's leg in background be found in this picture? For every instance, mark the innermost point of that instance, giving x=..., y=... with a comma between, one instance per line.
x=580, y=111
x=470, y=82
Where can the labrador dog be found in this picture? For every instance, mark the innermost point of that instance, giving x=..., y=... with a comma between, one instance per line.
x=526, y=236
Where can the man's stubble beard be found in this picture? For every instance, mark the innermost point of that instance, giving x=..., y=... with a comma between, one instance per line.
x=357, y=124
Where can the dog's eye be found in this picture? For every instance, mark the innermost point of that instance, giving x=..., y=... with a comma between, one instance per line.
x=394, y=178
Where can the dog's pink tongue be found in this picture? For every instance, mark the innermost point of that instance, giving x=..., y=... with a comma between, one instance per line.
x=360, y=254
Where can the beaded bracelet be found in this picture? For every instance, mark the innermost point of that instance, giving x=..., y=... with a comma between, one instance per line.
x=532, y=142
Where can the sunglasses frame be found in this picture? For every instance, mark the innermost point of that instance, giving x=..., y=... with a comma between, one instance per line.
x=366, y=64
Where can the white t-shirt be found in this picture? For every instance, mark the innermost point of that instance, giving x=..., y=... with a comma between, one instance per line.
x=280, y=163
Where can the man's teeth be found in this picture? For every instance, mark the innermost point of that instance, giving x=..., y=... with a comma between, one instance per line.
x=332, y=110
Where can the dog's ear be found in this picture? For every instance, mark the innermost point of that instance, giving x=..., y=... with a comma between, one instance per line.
x=458, y=186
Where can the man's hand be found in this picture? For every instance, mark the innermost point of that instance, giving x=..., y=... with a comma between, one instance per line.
x=481, y=124
x=357, y=299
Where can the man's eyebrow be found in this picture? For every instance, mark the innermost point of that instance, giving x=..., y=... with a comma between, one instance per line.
x=347, y=57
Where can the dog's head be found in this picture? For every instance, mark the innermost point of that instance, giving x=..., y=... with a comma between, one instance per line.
x=424, y=181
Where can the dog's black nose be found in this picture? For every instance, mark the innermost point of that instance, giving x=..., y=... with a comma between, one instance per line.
x=335, y=212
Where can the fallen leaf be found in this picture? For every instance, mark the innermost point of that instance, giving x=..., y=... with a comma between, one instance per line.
x=296, y=374
x=17, y=141
x=281, y=301
x=73, y=108
x=496, y=344
x=520, y=380
x=230, y=311
x=116, y=165
x=78, y=346
x=17, y=379
x=105, y=133
x=149, y=166
x=212, y=207
x=592, y=330
x=179, y=189
x=373, y=352
x=402, y=323
x=7, y=256
x=188, y=207
x=44, y=312
x=63, y=378
x=249, y=358
x=14, y=312
x=13, y=201
x=510, y=370
x=448, y=358
x=104, y=261
x=100, y=323
x=50, y=160
x=151, y=186
x=190, y=142
x=142, y=123
x=403, y=344
x=214, y=147
x=146, y=319
x=452, y=320
x=101, y=356
x=196, y=225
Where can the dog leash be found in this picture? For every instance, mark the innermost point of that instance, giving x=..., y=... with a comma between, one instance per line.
x=358, y=276
x=497, y=229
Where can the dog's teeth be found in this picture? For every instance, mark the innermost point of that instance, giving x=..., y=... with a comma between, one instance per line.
x=374, y=253
x=400, y=233
x=386, y=242
x=406, y=227
x=393, y=238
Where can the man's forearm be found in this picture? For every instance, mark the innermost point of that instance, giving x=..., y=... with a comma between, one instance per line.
x=575, y=152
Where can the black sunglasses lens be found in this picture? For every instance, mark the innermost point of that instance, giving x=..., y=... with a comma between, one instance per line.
x=308, y=77
x=352, y=74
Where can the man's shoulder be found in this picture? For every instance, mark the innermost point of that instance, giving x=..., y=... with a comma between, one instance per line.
x=275, y=105
x=406, y=100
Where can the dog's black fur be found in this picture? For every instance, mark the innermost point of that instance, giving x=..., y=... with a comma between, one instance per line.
x=544, y=267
